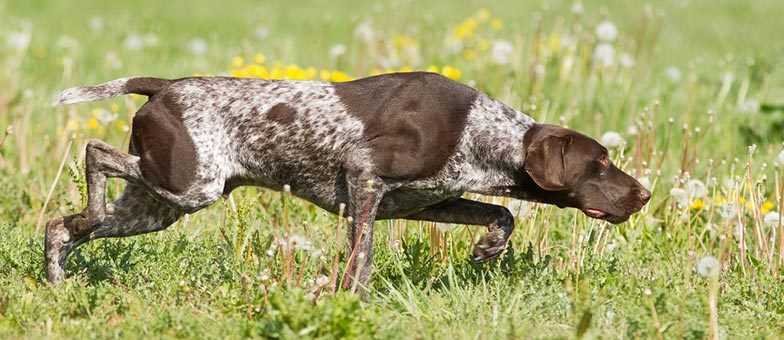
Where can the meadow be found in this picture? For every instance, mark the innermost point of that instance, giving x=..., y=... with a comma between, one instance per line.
x=688, y=95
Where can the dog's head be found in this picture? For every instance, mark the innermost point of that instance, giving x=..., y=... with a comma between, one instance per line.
x=570, y=169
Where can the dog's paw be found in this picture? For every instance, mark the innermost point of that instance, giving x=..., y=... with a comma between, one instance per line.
x=490, y=246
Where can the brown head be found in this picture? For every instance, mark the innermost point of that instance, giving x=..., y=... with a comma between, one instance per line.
x=569, y=169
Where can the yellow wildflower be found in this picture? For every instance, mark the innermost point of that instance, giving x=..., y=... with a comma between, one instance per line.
x=432, y=68
x=496, y=24
x=376, y=71
x=767, y=206
x=469, y=55
x=451, y=72
x=719, y=199
x=465, y=29
x=483, y=15
x=698, y=204
x=325, y=75
x=406, y=69
x=72, y=125
x=338, y=76
x=237, y=62
x=295, y=72
x=310, y=73
x=259, y=58
x=121, y=126
x=484, y=45
x=402, y=42
x=555, y=43
x=93, y=124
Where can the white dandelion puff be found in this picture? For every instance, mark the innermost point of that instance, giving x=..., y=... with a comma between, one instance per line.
x=749, y=106
x=780, y=159
x=771, y=219
x=611, y=139
x=133, y=42
x=364, y=32
x=728, y=210
x=679, y=195
x=606, y=31
x=645, y=182
x=197, y=46
x=708, y=266
x=696, y=189
x=578, y=8
x=627, y=60
x=604, y=54
x=501, y=52
x=337, y=50
x=96, y=24
x=673, y=74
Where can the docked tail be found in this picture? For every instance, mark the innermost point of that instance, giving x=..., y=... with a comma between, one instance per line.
x=147, y=86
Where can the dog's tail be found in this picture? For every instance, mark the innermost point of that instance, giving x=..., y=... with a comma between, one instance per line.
x=147, y=86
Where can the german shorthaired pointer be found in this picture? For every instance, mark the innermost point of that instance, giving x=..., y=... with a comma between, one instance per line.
x=404, y=145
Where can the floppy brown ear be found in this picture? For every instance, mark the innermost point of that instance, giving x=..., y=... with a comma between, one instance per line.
x=545, y=163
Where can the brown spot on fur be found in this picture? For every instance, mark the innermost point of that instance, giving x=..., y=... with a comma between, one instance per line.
x=413, y=121
x=166, y=151
x=282, y=114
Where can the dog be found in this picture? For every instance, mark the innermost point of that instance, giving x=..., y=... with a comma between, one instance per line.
x=393, y=146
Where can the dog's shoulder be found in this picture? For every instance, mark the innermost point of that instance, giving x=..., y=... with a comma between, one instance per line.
x=412, y=121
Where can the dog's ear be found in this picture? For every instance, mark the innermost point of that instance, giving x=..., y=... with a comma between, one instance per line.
x=545, y=162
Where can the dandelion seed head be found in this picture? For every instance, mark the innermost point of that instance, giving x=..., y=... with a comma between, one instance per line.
x=780, y=159
x=337, y=50
x=606, y=31
x=749, y=106
x=133, y=42
x=627, y=60
x=197, y=46
x=364, y=32
x=501, y=52
x=696, y=188
x=673, y=74
x=771, y=219
x=611, y=139
x=679, y=195
x=708, y=266
x=604, y=54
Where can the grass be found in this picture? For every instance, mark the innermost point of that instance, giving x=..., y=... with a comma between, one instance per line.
x=700, y=113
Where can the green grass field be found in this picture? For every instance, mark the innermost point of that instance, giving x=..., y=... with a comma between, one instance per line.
x=688, y=94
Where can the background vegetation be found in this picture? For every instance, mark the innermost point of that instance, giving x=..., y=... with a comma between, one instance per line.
x=689, y=95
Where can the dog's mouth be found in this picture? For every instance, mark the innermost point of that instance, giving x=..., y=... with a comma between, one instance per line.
x=603, y=215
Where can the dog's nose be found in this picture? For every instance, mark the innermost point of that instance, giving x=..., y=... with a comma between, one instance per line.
x=645, y=196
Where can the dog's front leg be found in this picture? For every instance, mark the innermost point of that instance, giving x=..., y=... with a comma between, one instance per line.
x=499, y=222
x=364, y=194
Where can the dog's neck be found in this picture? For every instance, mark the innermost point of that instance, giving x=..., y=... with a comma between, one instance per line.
x=492, y=145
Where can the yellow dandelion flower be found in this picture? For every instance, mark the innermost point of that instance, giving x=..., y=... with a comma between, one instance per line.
x=402, y=42
x=325, y=75
x=121, y=126
x=483, y=15
x=767, y=206
x=719, y=199
x=376, y=71
x=451, y=72
x=277, y=72
x=432, y=68
x=237, y=62
x=698, y=204
x=259, y=58
x=72, y=125
x=238, y=73
x=465, y=29
x=469, y=55
x=496, y=24
x=483, y=45
x=406, y=69
x=93, y=124
x=310, y=73
x=339, y=76
x=295, y=72
x=555, y=43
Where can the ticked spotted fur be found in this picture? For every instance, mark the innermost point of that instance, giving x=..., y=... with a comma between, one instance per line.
x=404, y=145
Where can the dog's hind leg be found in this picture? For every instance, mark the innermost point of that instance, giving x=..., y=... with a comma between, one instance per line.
x=499, y=222
x=144, y=207
x=135, y=212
